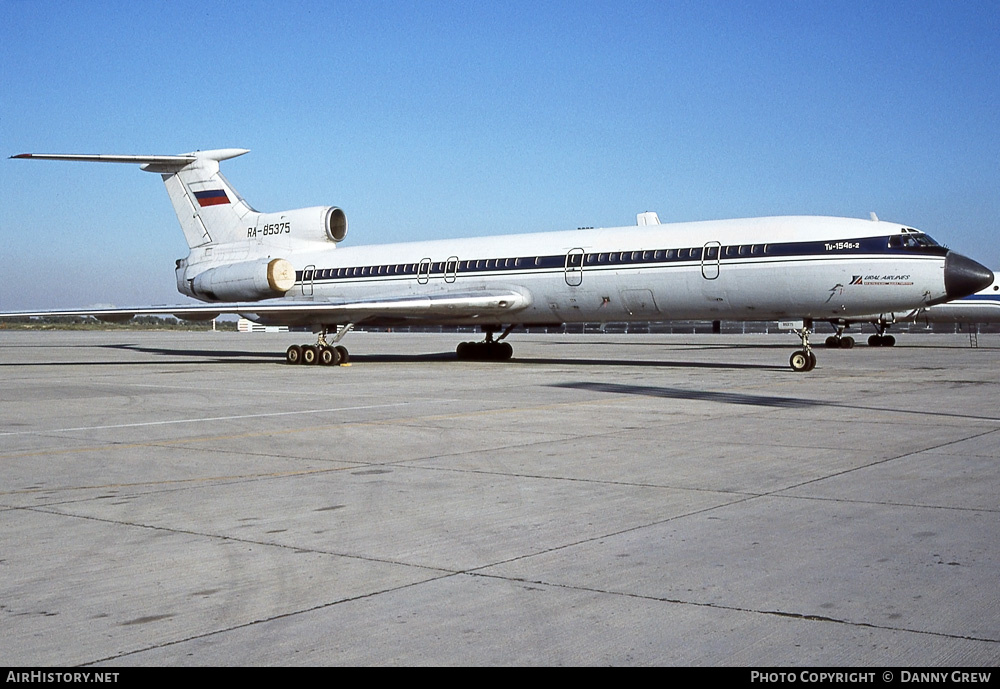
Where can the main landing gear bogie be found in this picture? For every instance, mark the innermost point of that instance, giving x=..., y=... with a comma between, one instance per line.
x=322, y=353
x=484, y=351
x=317, y=354
x=838, y=342
x=881, y=341
x=489, y=349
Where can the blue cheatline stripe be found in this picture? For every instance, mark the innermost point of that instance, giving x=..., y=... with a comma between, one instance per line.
x=725, y=255
x=980, y=299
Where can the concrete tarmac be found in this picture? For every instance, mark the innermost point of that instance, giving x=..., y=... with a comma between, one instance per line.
x=189, y=499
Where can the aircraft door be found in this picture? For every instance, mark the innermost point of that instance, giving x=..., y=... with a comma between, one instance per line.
x=424, y=271
x=573, y=270
x=710, y=258
x=308, y=275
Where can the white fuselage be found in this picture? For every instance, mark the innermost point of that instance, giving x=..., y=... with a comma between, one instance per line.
x=748, y=269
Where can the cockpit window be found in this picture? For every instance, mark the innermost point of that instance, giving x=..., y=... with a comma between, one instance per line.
x=912, y=240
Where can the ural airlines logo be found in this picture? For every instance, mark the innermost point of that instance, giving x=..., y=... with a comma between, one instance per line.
x=211, y=197
x=881, y=280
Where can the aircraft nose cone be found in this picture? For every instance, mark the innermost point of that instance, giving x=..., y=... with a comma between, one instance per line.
x=963, y=276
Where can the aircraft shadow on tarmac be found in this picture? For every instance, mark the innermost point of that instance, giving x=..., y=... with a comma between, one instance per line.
x=686, y=345
x=696, y=395
x=217, y=356
x=560, y=361
x=236, y=356
x=208, y=356
x=752, y=400
x=715, y=365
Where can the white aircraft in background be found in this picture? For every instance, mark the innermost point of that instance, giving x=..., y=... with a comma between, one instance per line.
x=287, y=268
x=981, y=307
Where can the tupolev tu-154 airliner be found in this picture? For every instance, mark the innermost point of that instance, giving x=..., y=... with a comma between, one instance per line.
x=288, y=268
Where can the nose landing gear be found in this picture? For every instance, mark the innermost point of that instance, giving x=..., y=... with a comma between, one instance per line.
x=804, y=359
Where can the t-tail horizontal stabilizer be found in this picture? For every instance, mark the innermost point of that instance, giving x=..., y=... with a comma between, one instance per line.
x=208, y=208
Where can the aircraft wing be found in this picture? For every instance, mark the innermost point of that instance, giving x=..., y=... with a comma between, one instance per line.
x=446, y=307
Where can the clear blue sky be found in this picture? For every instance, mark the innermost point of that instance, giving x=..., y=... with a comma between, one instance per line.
x=431, y=119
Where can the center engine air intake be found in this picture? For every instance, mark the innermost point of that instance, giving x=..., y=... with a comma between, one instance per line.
x=336, y=224
x=246, y=281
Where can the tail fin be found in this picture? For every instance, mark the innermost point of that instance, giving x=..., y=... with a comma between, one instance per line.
x=209, y=209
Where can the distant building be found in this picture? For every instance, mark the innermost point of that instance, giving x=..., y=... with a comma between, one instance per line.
x=245, y=326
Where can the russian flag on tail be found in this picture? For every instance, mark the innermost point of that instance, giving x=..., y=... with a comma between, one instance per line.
x=211, y=197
